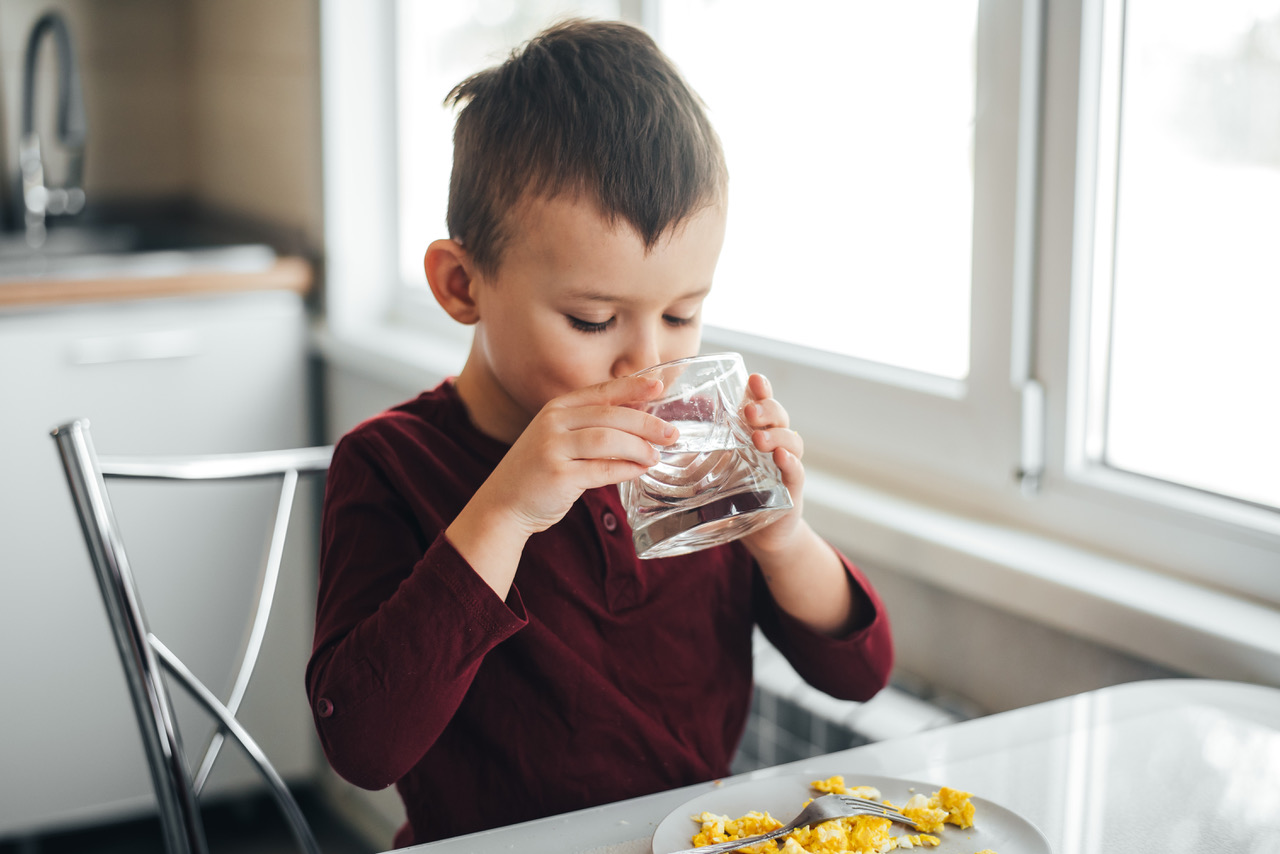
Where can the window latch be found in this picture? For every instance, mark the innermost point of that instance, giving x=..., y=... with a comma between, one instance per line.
x=1031, y=455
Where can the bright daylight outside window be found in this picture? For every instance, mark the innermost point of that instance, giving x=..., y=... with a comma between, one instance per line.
x=1185, y=357
x=849, y=134
x=848, y=128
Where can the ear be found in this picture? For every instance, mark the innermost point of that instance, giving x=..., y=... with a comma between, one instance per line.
x=448, y=268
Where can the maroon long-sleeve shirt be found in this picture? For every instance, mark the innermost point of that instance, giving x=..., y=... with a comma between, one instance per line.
x=600, y=677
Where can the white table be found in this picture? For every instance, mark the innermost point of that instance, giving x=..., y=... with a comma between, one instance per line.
x=1156, y=767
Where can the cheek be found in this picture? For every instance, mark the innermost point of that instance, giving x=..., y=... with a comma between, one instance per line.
x=683, y=343
x=549, y=366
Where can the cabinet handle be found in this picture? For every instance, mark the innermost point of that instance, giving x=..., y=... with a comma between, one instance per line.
x=143, y=346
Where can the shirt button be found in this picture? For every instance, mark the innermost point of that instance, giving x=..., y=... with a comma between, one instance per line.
x=324, y=708
x=609, y=521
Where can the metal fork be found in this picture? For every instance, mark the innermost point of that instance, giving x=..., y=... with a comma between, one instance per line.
x=819, y=810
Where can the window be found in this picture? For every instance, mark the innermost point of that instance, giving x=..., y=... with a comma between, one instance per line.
x=849, y=141
x=845, y=187
x=1185, y=362
x=1008, y=259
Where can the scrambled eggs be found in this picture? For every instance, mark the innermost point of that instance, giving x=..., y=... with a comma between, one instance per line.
x=861, y=834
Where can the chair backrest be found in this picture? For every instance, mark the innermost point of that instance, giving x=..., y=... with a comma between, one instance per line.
x=144, y=655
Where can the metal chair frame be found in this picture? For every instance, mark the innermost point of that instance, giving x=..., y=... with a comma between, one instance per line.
x=143, y=654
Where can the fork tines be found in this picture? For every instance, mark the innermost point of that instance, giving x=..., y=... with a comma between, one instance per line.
x=879, y=808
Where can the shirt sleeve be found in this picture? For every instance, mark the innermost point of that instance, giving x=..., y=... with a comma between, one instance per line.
x=402, y=623
x=852, y=667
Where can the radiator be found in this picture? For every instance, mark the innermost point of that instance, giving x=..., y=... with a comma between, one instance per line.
x=791, y=720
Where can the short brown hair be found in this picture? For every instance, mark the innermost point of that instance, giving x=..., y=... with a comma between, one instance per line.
x=591, y=108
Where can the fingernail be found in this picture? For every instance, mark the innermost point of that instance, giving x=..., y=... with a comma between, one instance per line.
x=670, y=431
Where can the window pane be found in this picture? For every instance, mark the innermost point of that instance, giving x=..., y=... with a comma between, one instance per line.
x=848, y=128
x=439, y=44
x=1195, y=358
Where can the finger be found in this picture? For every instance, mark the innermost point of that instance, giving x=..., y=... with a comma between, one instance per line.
x=766, y=414
x=621, y=391
x=606, y=443
x=605, y=472
x=779, y=438
x=792, y=471
x=759, y=387
x=623, y=419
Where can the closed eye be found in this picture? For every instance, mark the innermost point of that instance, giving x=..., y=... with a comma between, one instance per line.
x=588, y=326
x=672, y=320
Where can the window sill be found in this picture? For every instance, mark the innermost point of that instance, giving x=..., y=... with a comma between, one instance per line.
x=391, y=354
x=1176, y=623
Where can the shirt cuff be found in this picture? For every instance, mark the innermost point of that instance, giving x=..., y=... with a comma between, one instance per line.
x=475, y=599
x=853, y=666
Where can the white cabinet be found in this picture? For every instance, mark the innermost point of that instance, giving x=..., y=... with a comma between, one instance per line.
x=181, y=375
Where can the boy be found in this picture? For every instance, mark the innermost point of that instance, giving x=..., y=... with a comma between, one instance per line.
x=486, y=638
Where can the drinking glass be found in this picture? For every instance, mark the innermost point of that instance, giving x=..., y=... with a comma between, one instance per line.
x=711, y=486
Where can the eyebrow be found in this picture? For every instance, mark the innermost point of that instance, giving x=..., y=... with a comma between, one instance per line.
x=601, y=296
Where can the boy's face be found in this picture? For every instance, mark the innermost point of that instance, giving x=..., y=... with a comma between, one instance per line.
x=577, y=302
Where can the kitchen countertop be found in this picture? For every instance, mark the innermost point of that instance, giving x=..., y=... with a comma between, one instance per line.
x=285, y=273
x=1156, y=767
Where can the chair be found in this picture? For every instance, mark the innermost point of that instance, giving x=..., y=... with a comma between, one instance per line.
x=143, y=654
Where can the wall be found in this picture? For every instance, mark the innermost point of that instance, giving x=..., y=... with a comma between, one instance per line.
x=961, y=651
x=134, y=76
x=211, y=100
x=255, y=86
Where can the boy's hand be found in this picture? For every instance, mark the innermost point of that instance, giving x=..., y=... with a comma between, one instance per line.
x=584, y=439
x=772, y=435
x=804, y=574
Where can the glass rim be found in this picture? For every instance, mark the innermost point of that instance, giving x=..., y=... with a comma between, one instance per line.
x=687, y=360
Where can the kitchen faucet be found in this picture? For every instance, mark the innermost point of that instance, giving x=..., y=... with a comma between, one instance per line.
x=38, y=199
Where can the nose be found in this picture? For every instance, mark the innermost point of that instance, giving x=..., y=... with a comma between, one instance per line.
x=640, y=352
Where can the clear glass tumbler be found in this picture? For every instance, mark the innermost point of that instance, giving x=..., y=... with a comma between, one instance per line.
x=712, y=486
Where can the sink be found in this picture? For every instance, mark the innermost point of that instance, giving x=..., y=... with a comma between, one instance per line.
x=144, y=248
x=57, y=233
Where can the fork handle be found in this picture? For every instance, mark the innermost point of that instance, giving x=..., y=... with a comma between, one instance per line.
x=735, y=844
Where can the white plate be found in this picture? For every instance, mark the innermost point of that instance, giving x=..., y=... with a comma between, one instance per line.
x=994, y=826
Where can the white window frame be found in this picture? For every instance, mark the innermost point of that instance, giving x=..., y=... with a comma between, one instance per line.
x=1225, y=543
x=926, y=426
x=1006, y=447
x=1093, y=264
